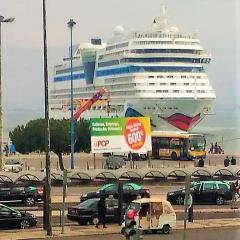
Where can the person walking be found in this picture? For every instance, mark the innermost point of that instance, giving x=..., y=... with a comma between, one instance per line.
x=233, y=161
x=233, y=190
x=237, y=183
x=226, y=162
x=101, y=212
x=211, y=148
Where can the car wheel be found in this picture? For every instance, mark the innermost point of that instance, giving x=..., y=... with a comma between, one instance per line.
x=179, y=200
x=220, y=200
x=166, y=229
x=30, y=201
x=174, y=156
x=95, y=220
x=24, y=224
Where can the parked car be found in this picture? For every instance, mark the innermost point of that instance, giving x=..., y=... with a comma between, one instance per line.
x=13, y=165
x=26, y=193
x=204, y=191
x=130, y=192
x=12, y=218
x=114, y=162
x=86, y=212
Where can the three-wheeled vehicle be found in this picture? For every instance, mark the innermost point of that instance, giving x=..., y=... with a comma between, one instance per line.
x=150, y=214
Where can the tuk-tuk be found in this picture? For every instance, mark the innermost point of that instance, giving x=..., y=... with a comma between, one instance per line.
x=150, y=214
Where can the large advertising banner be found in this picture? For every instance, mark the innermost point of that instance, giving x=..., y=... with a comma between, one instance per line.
x=120, y=134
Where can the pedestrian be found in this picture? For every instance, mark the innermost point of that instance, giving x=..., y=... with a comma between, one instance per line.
x=6, y=150
x=233, y=190
x=220, y=150
x=211, y=149
x=201, y=162
x=237, y=183
x=216, y=148
x=226, y=161
x=101, y=212
x=233, y=161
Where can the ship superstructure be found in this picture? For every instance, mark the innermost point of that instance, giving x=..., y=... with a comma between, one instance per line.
x=159, y=73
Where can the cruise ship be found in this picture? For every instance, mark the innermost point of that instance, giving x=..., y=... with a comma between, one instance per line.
x=159, y=72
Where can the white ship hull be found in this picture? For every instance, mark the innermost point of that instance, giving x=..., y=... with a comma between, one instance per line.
x=165, y=114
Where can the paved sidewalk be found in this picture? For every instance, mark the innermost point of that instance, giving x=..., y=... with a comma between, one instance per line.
x=112, y=229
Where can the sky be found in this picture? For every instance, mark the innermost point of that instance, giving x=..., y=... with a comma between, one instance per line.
x=215, y=21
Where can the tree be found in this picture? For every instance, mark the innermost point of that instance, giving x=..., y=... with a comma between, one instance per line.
x=31, y=137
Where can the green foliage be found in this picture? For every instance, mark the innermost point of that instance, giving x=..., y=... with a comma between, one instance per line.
x=31, y=137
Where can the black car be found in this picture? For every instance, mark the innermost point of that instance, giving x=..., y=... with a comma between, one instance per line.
x=86, y=212
x=26, y=193
x=12, y=218
x=130, y=192
x=203, y=192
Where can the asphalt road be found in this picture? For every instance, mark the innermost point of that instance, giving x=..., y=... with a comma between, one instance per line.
x=196, y=234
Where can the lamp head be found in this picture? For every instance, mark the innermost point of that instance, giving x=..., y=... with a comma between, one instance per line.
x=2, y=19
x=71, y=23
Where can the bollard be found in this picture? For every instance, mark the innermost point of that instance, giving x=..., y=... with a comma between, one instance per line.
x=87, y=166
x=190, y=214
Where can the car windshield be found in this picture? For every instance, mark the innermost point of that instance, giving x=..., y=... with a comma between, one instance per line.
x=5, y=209
x=197, y=143
x=88, y=203
x=108, y=187
x=133, y=186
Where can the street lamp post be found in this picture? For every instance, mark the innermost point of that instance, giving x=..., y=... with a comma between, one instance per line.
x=47, y=198
x=2, y=20
x=71, y=23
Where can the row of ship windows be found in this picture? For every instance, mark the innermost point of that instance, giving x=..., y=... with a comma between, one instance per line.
x=74, y=69
x=162, y=108
x=165, y=42
x=117, y=86
x=131, y=69
x=140, y=91
x=188, y=51
x=143, y=60
x=130, y=79
x=141, y=51
x=135, y=69
x=161, y=35
x=171, y=76
x=125, y=44
x=120, y=45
